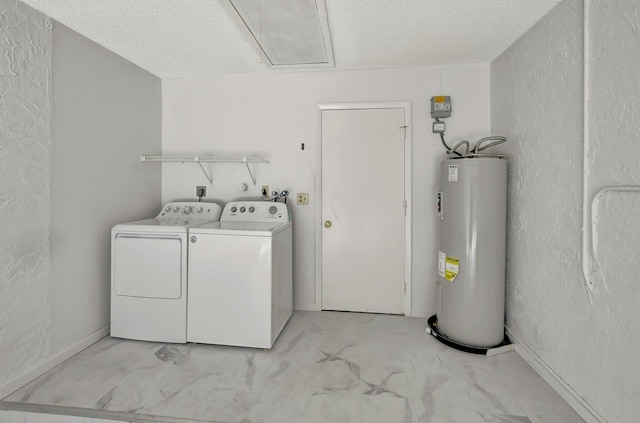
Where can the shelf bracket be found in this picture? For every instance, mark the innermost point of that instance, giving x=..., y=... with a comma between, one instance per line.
x=253, y=178
x=209, y=178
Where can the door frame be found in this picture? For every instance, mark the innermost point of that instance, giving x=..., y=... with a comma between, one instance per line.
x=406, y=106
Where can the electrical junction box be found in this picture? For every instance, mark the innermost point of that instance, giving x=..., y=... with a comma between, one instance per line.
x=440, y=106
x=438, y=127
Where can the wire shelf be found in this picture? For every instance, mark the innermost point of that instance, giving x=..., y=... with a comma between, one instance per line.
x=206, y=159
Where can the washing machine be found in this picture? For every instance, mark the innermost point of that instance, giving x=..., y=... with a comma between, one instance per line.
x=240, y=276
x=149, y=261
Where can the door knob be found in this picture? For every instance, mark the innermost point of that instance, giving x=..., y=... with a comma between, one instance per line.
x=327, y=224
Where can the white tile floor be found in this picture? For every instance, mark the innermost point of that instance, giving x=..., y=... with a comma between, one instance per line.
x=325, y=367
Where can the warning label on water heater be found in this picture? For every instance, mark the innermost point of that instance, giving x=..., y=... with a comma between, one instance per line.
x=451, y=267
x=453, y=173
x=448, y=266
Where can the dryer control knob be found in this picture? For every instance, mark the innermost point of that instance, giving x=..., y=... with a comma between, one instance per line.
x=188, y=209
x=234, y=209
x=176, y=209
x=194, y=239
x=252, y=209
x=200, y=209
x=273, y=209
x=167, y=210
x=243, y=209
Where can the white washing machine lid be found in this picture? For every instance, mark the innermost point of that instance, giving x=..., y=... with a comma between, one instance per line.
x=241, y=228
x=159, y=225
x=175, y=217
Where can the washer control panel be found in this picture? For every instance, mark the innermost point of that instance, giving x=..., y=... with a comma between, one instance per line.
x=190, y=210
x=255, y=211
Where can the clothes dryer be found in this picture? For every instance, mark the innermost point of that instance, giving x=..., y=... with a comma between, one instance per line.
x=149, y=272
x=240, y=276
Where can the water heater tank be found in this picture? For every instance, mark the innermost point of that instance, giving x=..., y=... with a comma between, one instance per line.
x=472, y=206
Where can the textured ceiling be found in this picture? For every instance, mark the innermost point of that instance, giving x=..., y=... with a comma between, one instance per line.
x=179, y=38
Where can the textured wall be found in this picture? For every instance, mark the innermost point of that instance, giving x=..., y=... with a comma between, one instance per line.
x=614, y=159
x=74, y=119
x=537, y=101
x=25, y=169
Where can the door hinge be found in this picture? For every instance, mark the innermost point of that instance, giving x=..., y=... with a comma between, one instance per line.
x=404, y=127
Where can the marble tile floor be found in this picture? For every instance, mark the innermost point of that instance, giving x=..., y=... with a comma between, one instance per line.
x=325, y=367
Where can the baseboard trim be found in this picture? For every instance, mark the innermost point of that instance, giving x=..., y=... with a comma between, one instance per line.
x=565, y=391
x=12, y=386
x=307, y=306
x=90, y=413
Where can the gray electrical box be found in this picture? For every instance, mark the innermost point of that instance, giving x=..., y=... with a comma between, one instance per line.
x=440, y=106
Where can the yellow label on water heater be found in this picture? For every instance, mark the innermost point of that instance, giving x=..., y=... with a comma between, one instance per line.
x=451, y=267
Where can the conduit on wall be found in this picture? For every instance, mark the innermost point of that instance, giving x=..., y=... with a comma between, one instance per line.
x=590, y=208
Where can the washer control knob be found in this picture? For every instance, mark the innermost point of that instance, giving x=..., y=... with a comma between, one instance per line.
x=243, y=209
x=176, y=209
x=188, y=210
x=234, y=209
x=167, y=209
x=273, y=209
x=194, y=239
x=200, y=209
x=252, y=209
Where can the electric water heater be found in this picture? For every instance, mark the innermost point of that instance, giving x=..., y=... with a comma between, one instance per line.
x=472, y=206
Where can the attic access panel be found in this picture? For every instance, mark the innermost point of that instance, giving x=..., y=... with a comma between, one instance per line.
x=289, y=32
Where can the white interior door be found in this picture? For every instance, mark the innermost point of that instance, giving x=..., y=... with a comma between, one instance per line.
x=363, y=210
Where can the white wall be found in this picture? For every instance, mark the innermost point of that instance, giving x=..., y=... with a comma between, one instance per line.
x=106, y=113
x=74, y=119
x=589, y=344
x=273, y=114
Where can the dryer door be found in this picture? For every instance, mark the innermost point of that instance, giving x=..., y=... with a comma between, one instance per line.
x=147, y=266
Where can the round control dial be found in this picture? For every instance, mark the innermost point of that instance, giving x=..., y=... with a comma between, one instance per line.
x=243, y=209
x=188, y=210
x=234, y=209
x=273, y=209
x=167, y=209
x=176, y=209
x=252, y=209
